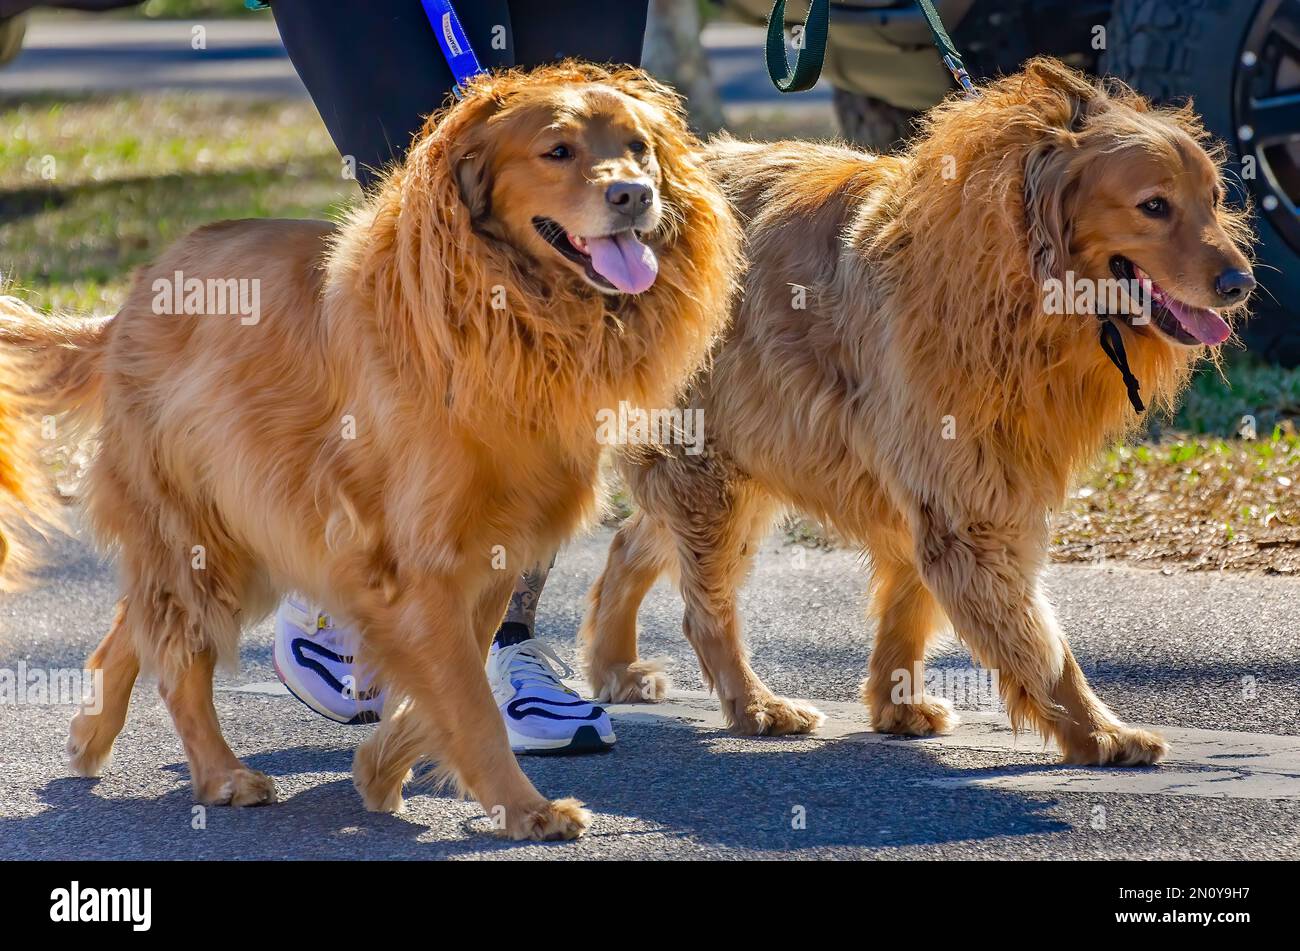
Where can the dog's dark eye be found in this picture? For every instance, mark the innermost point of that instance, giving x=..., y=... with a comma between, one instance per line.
x=1155, y=207
x=637, y=147
x=560, y=153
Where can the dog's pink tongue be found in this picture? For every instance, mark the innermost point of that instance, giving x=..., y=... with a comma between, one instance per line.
x=624, y=261
x=1205, y=325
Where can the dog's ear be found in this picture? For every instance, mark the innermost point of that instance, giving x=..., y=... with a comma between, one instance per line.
x=456, y=143
x=1052, y=74
x=474, y=179
x=1050, y=183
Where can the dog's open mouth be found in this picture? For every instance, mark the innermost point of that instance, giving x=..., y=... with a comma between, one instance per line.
x=614, y=262
x=1185, y=323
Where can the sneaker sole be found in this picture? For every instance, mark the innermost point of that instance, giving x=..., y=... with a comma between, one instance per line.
x=584, y=741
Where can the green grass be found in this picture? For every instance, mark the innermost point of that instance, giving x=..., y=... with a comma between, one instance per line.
x=91, y=189
x=192, y=8
x=1220, y=404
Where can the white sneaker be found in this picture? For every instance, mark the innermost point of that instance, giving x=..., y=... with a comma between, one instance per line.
x=314, y=659
x=542, y=715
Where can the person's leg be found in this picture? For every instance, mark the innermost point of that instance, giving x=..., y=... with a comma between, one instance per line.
x=374, y=69
x=601, y=31
x=542, y=715
x=520, y=621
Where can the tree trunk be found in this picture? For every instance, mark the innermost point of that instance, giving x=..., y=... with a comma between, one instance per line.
x=673, y=53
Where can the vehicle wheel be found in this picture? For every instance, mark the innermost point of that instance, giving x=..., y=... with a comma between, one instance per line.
x=11, y=37
x=872, y=123
x=1240, y=63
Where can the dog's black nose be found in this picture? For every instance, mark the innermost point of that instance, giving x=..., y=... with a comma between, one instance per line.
x=630, y=198
x=1234, y=284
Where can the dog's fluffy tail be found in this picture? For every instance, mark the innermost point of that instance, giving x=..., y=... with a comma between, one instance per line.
x=50, y=389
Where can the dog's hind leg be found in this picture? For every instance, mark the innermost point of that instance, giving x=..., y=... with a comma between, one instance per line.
x=188, y=603
x=640, y=552
x=219, y=778
x=718, y=519
x=987, y=581
x=907, y=617
x=425, y=646
x=114, y=666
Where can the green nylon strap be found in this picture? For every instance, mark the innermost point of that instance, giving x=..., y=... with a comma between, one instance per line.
x=941, y=38
x=810, y=54
x=808, y=60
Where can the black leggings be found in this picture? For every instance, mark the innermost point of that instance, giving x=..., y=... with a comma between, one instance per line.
x=374, y=68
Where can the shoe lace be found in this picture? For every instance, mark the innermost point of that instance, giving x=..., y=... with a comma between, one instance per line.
x=531, y=661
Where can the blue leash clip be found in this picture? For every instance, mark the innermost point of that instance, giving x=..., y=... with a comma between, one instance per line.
x=455, y=45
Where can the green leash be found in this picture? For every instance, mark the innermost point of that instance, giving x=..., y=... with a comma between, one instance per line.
x=811, y=53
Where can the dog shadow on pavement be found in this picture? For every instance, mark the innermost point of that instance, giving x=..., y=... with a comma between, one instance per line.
x=662, y=793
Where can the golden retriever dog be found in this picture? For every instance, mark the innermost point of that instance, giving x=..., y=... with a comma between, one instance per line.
x=893, y=368
x=410, y=421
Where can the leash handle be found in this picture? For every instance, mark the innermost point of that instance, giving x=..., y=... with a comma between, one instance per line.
x=455, y=45
x=810, y=56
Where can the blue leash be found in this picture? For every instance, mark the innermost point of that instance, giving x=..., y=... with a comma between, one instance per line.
x=456, y=48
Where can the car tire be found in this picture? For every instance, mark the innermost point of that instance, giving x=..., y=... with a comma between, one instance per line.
x=1172, y=49
x=872, y=123
x=12, y=30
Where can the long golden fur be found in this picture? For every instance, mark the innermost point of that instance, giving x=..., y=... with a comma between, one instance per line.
x=921, y=400
x=410, y=423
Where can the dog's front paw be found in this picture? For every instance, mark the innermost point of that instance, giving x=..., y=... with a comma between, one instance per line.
x=379, y=782
x=549, y=822
x=642, y=681
x=88, y=753
x=1119, y=745
x=770, y=715
x=931, y=716
x=235, y=787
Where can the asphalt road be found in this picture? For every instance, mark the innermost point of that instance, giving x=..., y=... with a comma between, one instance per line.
x=1212, y=660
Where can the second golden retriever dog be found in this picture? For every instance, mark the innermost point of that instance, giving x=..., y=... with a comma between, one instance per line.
x=407, y=422
x=899, y=365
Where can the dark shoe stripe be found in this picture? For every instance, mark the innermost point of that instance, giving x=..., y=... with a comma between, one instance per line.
x=518, y=709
